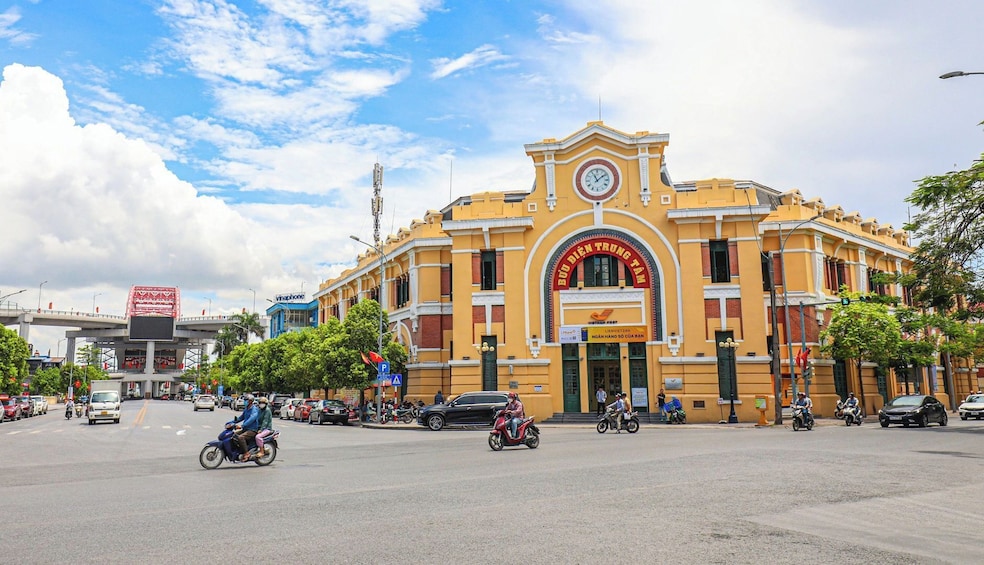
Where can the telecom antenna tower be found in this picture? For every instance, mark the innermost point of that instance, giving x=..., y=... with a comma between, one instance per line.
x=377, y=200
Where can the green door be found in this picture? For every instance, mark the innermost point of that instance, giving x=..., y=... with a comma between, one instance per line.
x=572, y=378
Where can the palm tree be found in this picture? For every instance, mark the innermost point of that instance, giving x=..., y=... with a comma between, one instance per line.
x=246, y=324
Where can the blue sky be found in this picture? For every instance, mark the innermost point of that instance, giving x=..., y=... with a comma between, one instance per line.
x=222, y=146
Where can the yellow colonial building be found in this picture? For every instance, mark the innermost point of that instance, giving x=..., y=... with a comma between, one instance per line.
x=607, y=274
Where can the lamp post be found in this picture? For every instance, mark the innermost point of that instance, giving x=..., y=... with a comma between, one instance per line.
x=58, y=347
x=382, y=273
x=952, y=74
x=731, y=345
x=6, y=296
x=486, y=349
x=94, y=301
x=39, y=294
x=785, y=296
x=254, y=299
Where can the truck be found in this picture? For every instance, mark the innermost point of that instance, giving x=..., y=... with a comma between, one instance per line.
x=104, y=401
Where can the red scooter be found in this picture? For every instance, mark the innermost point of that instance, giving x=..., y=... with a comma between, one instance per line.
x=526, y=433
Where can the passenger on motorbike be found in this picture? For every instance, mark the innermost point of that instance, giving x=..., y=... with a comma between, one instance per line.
x=514, y=408
x=626, y=410
x=806, y=404
x=69, y=405
x=246, y=426
x=851, y=402
x=265, y=423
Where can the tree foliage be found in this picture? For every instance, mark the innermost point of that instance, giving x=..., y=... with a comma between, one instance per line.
x=862, y=331
x=950, y=229
x=13, y=361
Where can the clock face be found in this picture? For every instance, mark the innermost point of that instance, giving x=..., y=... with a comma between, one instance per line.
x=597, y=180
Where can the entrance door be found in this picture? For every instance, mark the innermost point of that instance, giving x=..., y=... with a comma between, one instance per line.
x=606, y=374
x=572, y=378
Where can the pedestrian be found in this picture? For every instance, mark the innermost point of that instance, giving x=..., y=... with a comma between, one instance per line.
x=438, y=398
x=601, y=396
x=661, y=401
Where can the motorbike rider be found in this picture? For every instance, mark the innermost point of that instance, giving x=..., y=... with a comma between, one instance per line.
x=265, y=423
x=852, y=403
x=69, y=405
x=247, y=425
x=514, y=408
x=806, y=404
x=617, y=407
x=626, y=409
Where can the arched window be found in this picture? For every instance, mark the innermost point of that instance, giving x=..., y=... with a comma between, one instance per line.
x=602, y=270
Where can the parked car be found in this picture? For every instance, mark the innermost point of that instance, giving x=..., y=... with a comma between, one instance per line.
x=226, y=400
x=303, y=410
x=467, y=409
x=334, y=411
x=42, y=402
x=12, y=409
x=277, y=402
x=287, y=410
x=28, y=407
x=973, y=407
x=912, y=409
x=239, y=403
x=205, y=402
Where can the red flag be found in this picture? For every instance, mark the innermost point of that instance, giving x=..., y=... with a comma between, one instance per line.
x=364, y=358
x=375, y=357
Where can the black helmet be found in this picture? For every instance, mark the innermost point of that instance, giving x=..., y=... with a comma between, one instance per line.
x=851, y=394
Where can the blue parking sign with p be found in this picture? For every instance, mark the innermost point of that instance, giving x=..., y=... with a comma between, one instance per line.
x=384, y=367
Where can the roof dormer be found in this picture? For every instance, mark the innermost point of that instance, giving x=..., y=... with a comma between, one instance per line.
x=835, y=213
x=791, y=197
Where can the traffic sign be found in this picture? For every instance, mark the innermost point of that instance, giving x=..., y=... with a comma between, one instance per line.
x=381, y=378
x=384, y=367
x=397, y=381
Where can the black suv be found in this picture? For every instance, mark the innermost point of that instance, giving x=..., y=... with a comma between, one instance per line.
x=468, y=409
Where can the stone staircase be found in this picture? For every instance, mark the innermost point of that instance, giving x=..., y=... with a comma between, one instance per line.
x=588, y=418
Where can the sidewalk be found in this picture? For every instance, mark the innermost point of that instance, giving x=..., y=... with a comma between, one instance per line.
x=786, y=423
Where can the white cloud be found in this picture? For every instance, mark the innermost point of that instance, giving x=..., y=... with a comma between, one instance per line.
x=7, y=31
x=94, y=207
x=480, y=57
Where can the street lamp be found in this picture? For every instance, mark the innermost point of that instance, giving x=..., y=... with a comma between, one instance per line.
x=731, y=345
x=382, y=273
x=6, y=296
x=58, y=347
x=94, y=301
x=254, y=298
x=952, y=74
x=39, y=294
x=486, y=350
x=785, y=295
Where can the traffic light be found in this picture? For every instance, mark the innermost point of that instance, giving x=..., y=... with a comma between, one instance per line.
x=845, y=301
x=808, y=372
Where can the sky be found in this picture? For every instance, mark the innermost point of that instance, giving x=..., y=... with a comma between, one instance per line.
x=226, y=147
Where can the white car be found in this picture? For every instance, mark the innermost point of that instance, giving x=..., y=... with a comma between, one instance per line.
x=287, y=410
x=973, y=407
x=205, y=402
x=42, y=403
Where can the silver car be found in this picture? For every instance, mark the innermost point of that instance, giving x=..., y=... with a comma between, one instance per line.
x=205, y=402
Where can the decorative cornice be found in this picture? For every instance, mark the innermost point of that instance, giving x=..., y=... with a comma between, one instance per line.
x=722, y=291
x=591, y=296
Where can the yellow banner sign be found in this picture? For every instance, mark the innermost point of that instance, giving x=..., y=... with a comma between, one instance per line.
x=616, y=334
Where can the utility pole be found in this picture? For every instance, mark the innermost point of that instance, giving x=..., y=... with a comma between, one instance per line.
x=377, y=205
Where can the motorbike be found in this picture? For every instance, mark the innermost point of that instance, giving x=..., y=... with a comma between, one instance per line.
x=800, y=419
x=68, y=412
x=675, y=415
x=78, y=410
x=227, y=448
x=406, y=415
x=851, y=414
x=526, y=433
x=630, y=422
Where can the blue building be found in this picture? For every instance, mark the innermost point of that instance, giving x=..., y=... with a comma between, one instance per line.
x=292, y=317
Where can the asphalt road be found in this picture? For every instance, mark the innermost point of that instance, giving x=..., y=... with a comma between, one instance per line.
x=134, y=492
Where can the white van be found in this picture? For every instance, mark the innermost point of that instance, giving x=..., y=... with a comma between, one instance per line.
x=104, y=405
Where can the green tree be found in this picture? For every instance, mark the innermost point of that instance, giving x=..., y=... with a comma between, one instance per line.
x=950, y=229
x=862, y=331
x=47, y=381
x=246, y=325
x=13, y=361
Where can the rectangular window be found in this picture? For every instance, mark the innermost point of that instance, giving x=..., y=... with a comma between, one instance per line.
x=600, y=270
x=488, y=270
x=720, y=262
x=766, y=279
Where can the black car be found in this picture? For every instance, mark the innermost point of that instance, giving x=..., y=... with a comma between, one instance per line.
x=277, y=402
x=334, y=411
x=468, y=409
x=912, y=409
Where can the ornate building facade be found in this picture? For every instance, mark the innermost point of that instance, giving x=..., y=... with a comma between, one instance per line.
x=607, y=274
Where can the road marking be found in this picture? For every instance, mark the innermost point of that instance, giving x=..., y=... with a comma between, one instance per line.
x=140, y=415
x=34, y=432
x=15, y=432
x=181, y=432
x=166, y=427
x=146, y=427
